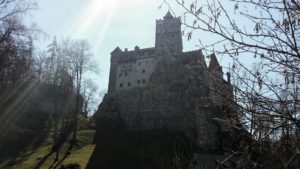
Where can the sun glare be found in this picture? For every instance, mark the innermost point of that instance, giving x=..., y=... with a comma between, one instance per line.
x=96, y=9
x=107, y=3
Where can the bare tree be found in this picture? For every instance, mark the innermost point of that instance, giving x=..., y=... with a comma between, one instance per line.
x=265, y=33
x=16, y=44
x=39, y=64
x=89, y=97
x=11, y=13
x=79, y=54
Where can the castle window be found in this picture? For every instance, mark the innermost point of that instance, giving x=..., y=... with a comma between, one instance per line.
x=121, y=85
x=129, y=84
x=125, y=74
x=143, y=71
x=139, y=63
x=120, y=74
x=172, y=44
x=144, y=80
x=138, y=81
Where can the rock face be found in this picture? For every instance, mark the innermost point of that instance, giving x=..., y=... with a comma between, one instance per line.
x=176, y=100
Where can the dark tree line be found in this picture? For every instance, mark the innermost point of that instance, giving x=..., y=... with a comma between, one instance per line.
x=16, y=40
x=64, y=64
x=265, y=33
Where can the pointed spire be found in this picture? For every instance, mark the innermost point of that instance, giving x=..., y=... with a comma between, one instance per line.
x=117, y=50
x=168, y=15
x=214, y=64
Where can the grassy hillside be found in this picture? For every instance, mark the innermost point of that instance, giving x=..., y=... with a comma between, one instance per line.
x=29, y=112
x=40, y=157
x=27, y=135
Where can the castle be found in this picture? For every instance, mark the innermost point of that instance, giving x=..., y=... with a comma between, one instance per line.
x=164, y=88
x=159, y=95
x=131, y=69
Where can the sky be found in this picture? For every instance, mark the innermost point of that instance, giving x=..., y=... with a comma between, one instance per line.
x=106, y=24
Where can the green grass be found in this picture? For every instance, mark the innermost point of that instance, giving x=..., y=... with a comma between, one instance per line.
x=79, y=154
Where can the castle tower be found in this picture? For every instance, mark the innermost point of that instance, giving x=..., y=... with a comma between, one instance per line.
x=115, y=54
x=168, y=39
x=214, y=67
x=217, y=86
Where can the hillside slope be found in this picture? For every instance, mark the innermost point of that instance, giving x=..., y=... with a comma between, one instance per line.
x=27, y=110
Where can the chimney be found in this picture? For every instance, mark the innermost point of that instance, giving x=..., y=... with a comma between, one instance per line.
x=126, y=50
x=228, y=77
x=136, y=48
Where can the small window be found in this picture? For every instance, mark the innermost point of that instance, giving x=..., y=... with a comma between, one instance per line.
x=162, y=45
x=121, y=85
x=143, y=71
x=144, y=80
x=138, y=81
x=139, y=63
x=126, y=74
x=129, y=84
x=120, y=74
x=172, y=44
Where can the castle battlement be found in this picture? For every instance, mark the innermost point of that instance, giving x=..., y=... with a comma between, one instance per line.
x=133, y=55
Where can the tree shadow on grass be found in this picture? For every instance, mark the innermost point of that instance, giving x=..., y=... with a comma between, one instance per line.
x=42, y=161
x=21, y=142
x=54, y=165
x=25, y=120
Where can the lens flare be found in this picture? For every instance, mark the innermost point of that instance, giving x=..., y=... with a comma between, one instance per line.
x=95, y=10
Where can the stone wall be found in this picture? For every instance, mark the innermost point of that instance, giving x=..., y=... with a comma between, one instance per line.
x=168, y=37
x=174, y=100
x=131, y=69
x=135, y=73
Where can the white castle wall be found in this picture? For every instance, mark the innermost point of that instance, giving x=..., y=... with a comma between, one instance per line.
x=135, y=73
